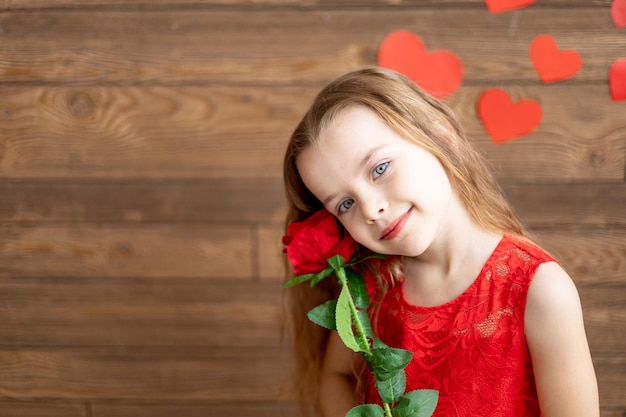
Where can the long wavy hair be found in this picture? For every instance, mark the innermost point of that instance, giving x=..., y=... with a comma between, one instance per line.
x=418, y=118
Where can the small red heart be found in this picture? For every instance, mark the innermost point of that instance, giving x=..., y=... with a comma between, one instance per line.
x=551, y=63
x=439, y=72
x=618, y=13
x=505, y=120
x=617, y=79
x=497, y=6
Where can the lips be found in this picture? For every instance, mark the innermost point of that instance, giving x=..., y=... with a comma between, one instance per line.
x=395, y=227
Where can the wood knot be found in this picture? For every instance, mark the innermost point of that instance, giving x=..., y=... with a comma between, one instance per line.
x=597, y=158
x=80, y=104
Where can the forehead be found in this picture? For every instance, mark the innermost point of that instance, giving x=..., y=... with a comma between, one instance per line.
x=354, y=123
x=344, y=148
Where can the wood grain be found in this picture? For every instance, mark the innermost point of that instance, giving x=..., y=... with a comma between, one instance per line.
x=141, y=199
x=146, y=131
x=139, y=312
x=238, y=409
x=184, y=374
x=557, y=205
x=590, y=255
x=326, y=4
x=46, y=408
x=251, y=201
x=302, y=46
x=186, y=251
x=197, y=132
x=140, y=373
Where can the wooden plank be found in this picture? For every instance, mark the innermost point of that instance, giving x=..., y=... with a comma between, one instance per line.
x=262, y=201
x=140, y=312
x=612, y=412
x=592, y=204
x=27, y=408
x=197, y=132
x=238, y=409
x=604, y=310
x=271, y=257
x=38, y=4
x=183, y=132
x=226, y=46
x=610, y=373
x=590, y=255
x=156, y=251
x=184, y=374
x=178, y=201
x=137, y=373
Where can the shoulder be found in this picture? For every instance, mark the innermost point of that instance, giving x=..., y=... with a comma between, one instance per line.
x=552, y=297
x=551, y=290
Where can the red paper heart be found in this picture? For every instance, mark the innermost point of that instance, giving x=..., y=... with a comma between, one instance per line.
x=497, y=6
x=618, y=13
x=439, y=72
x=617, y=79
x=551, y=63
x=505, y=120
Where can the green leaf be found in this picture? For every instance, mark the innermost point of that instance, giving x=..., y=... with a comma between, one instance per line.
x=387, y=362
x=355, y=261
x=366, y=410
x=343, y=320
x=392, y=389
x=336, y=262
x=324, y=315
x=379, y=344
x=299, y=279
x=418, y=403
x=356, y=282
x=320, y=276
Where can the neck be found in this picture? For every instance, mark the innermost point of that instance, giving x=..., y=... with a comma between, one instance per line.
x=451, y=263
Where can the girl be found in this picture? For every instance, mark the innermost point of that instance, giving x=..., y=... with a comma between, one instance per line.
x=494, y=323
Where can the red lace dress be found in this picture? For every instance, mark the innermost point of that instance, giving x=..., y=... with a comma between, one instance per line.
x=472, y=349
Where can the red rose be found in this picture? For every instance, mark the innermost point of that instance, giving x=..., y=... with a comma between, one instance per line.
x=311, y=242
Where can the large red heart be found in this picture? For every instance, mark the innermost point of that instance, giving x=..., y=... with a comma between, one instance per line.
x=618, y=13
x=505, y=120
x=497, y=6
x=551, y=63
x=617, y=79
x=439, y=72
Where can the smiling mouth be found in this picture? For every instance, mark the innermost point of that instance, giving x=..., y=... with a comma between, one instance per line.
x=395, y=228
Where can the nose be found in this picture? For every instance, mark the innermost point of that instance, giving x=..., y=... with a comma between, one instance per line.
x=373, y=209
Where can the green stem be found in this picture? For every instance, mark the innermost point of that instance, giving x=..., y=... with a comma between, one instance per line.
x=341, y=275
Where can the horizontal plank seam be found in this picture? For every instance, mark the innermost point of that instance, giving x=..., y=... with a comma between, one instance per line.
x=209, y=82
x=262, y=8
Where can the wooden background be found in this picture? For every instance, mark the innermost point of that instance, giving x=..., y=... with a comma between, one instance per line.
x=141, y=200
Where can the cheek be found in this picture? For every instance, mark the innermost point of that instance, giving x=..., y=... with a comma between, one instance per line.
x=358, y=233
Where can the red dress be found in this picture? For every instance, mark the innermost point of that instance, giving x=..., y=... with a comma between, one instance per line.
x=472, y=349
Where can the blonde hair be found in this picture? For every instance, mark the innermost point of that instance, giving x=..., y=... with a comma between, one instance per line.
x=417, y=117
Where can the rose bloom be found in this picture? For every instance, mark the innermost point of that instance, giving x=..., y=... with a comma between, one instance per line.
x=311, y=242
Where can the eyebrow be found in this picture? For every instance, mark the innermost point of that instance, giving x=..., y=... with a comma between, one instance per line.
x=360, y=166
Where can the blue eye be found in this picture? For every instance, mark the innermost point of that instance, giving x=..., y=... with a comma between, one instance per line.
x=345, y=205
x=380, y=169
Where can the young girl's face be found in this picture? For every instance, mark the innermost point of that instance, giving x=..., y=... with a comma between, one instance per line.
x=392, y=196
